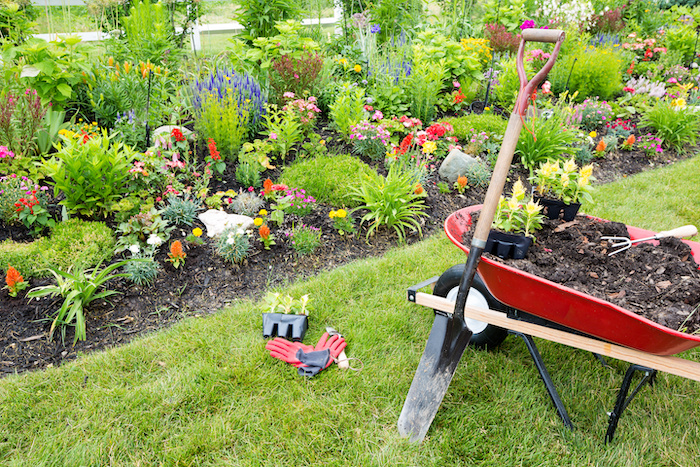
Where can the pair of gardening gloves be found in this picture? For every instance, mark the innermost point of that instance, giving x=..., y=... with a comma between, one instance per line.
x=309, y=360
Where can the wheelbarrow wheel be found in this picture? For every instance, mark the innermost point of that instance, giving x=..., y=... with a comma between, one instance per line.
x=484, y=335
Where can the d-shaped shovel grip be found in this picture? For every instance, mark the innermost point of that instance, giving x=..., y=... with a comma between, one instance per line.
x=554, y=36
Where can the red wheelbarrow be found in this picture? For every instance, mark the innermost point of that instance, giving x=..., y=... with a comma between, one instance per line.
x=503, y=300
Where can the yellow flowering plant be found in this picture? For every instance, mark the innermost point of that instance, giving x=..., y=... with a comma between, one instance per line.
x=564, y=181
x=516, y=214
x=343, y=222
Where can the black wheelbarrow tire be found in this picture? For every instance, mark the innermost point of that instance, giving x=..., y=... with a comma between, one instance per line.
x=484, y=335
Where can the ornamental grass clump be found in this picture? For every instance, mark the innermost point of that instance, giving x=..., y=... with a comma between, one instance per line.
x=180, y=211
x=233, y=245
x=247, y=203
x=143, y=272
x=676, y=125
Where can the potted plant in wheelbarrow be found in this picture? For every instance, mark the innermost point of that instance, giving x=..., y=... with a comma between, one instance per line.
x=561, y=187
x=286, y=316
x=514, y=222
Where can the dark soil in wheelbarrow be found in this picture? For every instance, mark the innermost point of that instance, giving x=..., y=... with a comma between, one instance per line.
x=658, y=281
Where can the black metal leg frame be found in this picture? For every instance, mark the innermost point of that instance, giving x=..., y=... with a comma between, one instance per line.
x=622, y=398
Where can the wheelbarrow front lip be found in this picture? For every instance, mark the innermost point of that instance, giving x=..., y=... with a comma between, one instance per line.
x=571, y=308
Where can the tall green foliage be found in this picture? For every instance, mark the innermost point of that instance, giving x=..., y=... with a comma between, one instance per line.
x=149, y=33
x=595, y=71
x=424, y=85
x=258, y=17
x=224, y=121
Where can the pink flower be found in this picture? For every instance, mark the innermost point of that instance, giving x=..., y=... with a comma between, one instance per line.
x=289, y=95
x=455, y=83
x=672, y=80
x=273, y=136
x=546, y=87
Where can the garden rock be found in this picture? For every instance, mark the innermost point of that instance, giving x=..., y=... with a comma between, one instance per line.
x=456, y=164
x=217, y=221
x=167, y=129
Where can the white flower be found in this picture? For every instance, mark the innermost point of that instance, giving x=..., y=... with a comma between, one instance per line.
x=154, y=240
x=134, y=249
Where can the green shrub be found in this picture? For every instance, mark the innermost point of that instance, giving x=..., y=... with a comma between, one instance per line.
x=330, y=178
x=222, y=120
x=92, y=174
x=464, y=126
x=348, y=109
x=75, y=243
x=597, y=72
x=508, y=86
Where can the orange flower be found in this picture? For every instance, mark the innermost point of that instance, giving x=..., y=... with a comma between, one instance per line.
x=419, y=189
x=264, y=232
x=601, y=146
x=176, y=255
x=110, y=61
x=13, y=277
x=630, y=140
x=15, y=281
x=267, y=186
x=462, y=181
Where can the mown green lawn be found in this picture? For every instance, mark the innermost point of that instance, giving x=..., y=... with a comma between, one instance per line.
x=206, y=393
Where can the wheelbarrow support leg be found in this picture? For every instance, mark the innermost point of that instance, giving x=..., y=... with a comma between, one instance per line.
x=622, y=399
x=546, y=379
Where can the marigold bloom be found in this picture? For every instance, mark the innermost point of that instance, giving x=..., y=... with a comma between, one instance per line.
x=419, y=189
x=197, y=232
x=357, y=68
x=341, y=213
x=258, y=221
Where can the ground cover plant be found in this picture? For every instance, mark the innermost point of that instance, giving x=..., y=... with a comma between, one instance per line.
x=334, y=150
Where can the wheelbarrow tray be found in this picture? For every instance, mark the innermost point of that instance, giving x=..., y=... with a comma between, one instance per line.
x=571, y=308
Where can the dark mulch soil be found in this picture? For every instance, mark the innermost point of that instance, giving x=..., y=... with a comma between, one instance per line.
x=660, y=282
x=206, y=284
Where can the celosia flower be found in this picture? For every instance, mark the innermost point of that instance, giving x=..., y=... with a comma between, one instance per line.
x=419, y=189
x=267, y=186
x=462, y=181
x=177, y=255
x=518, y=190
x=601, y=146
x=264, y=232
x=13, y=279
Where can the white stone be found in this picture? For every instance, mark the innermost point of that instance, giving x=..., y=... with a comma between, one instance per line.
x=455, y=164
x=217, y=221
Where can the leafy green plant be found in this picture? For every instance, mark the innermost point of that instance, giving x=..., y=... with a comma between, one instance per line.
x=676, y=126
x=180, y=211
x=565, y=182
x=595, y=71
x=478, y=174
x=233, y=245
x=514, y=214
x=54, y=121
x=284, y=129
x=52, y=68
x=278, y=303
x=147, y=229
x=21, y=117
x=305, y=239
x=92, y=173
x=78, y=290
x=544, y=139
x=258, y=17
x=348, y=109
x=489, y=123
x=149, y=33
x=424, y=86
x=248, y=175
x=391, y=202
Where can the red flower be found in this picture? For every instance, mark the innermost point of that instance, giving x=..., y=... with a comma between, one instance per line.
x=177, y=134
x=213, y=153
x=648, y=54
x=459, y=97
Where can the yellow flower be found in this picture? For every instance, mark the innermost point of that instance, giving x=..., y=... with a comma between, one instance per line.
x=322, y=142
x=429, y=147
x=258, y=222
x=332, y=214
x=592, y=134
x=518, y=190
x=343, y=61
x=357, y=68
x=569, y=166
x=532, y=208
x=548, y=169
x=680, y=102
x=586, y=171
x=583, y=181
x=263, y=212
x=197, y=232
x=340, y=213
x=513, y=203
x=486, y=109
